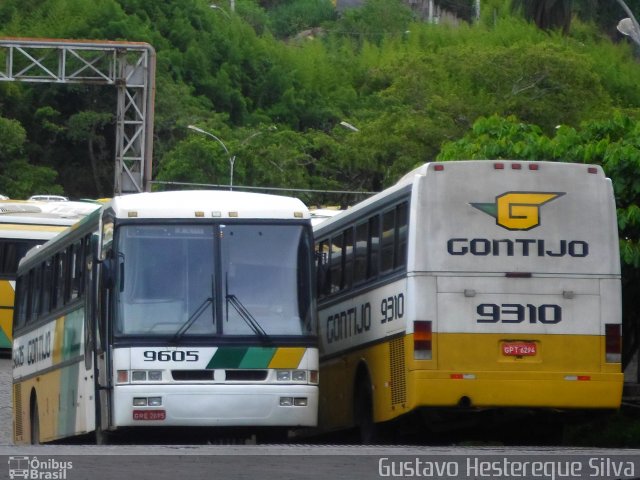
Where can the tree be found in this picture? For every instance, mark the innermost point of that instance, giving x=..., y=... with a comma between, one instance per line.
x=547, y=14
x=18, y=178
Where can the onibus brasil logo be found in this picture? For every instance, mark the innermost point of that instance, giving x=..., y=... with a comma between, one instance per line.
x=517, y=210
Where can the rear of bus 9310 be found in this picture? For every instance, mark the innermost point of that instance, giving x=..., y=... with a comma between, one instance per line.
x=516, y=287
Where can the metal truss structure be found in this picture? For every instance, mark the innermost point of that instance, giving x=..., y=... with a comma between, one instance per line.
x=130, y=67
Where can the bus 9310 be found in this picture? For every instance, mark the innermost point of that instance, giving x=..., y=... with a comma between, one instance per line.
x=476, y=284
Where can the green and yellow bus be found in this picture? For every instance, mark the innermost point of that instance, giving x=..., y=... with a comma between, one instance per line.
x=23, y=225
x=169, y=309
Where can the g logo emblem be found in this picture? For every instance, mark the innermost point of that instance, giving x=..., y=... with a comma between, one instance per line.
x=517, y=210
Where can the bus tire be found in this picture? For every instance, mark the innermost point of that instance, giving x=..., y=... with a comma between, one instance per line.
x=368, y=431
x=35, y=421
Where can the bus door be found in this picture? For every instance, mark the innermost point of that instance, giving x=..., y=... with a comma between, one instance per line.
x=103, y=277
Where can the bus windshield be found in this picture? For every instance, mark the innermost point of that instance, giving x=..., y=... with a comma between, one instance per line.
x=187, y=281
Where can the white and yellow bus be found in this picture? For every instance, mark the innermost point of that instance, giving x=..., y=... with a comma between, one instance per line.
x=171, y=309
x=474, y=284
x=23, y=225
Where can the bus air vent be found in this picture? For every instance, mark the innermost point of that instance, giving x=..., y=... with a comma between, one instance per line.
x=17, y=407
x=246, y=375
x=398, y=377
x=192, y=375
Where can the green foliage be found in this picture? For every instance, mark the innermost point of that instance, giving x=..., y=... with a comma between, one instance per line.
x=19, y=179
x=294, y=16
x=406, y=85
x=375, y=21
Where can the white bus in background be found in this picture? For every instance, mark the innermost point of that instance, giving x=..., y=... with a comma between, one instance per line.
x=473, y=284
x=319, y=215
x=23, y=225
x=171, y=309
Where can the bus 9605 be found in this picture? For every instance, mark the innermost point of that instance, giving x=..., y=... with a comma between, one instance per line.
x=171, y=309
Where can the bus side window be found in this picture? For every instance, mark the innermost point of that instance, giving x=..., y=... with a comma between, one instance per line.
x=47, y=287
x=388, y=240
x=347, y=261
x=374, y=247
x=35, y=287
x=60, y=283
x=402, y=227
x=336, y=261
x=322, y=268
x=22, y=289
x=361, y=250
x=75, y=268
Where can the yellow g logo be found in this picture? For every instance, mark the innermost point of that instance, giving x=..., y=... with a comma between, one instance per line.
x=517, y=210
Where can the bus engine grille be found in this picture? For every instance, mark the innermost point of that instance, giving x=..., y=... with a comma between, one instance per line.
x=397, y=373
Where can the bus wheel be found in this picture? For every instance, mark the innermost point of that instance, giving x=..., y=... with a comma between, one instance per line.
x=363, y=412
x=35, y=423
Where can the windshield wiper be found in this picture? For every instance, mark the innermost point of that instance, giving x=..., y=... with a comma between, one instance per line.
x=246, y=316
x=192, y=319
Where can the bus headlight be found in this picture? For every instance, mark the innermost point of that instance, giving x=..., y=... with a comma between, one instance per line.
x=297, y=376
x=139, y=376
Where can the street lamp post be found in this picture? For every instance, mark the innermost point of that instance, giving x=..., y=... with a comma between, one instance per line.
x=629, y=26
x=349, y=126
x=232, y=158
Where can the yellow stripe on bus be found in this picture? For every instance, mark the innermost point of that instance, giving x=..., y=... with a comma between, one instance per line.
x=57, y=340
x=6, y=294
x=33, y=228
x=287, y=358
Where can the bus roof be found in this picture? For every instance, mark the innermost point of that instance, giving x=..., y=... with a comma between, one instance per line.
x=207, y=204
x=40, y=220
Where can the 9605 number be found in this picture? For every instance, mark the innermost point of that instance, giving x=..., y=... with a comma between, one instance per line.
x=171, y=356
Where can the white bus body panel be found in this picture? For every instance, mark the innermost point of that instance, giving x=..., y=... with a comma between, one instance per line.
x=210, y=403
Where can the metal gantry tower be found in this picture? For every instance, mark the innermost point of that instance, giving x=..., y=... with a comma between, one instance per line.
x=128, y=66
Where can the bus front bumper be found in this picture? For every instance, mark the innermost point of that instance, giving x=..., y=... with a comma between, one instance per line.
x=215, y=405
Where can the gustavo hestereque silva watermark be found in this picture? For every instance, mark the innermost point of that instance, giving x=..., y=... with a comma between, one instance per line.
x=38, y=468
x=512, y=468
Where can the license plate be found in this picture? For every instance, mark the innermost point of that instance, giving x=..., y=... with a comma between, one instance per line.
x=519, y=349
x=149, y=414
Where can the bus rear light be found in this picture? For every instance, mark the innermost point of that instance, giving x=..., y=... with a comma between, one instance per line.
x=592, y=170
x=516, y=166
x=613, y=343
x=534, y=166
x=498, y=166
x=462, y=376
x=577, y=378
x=438, y=168
x=422, y=338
